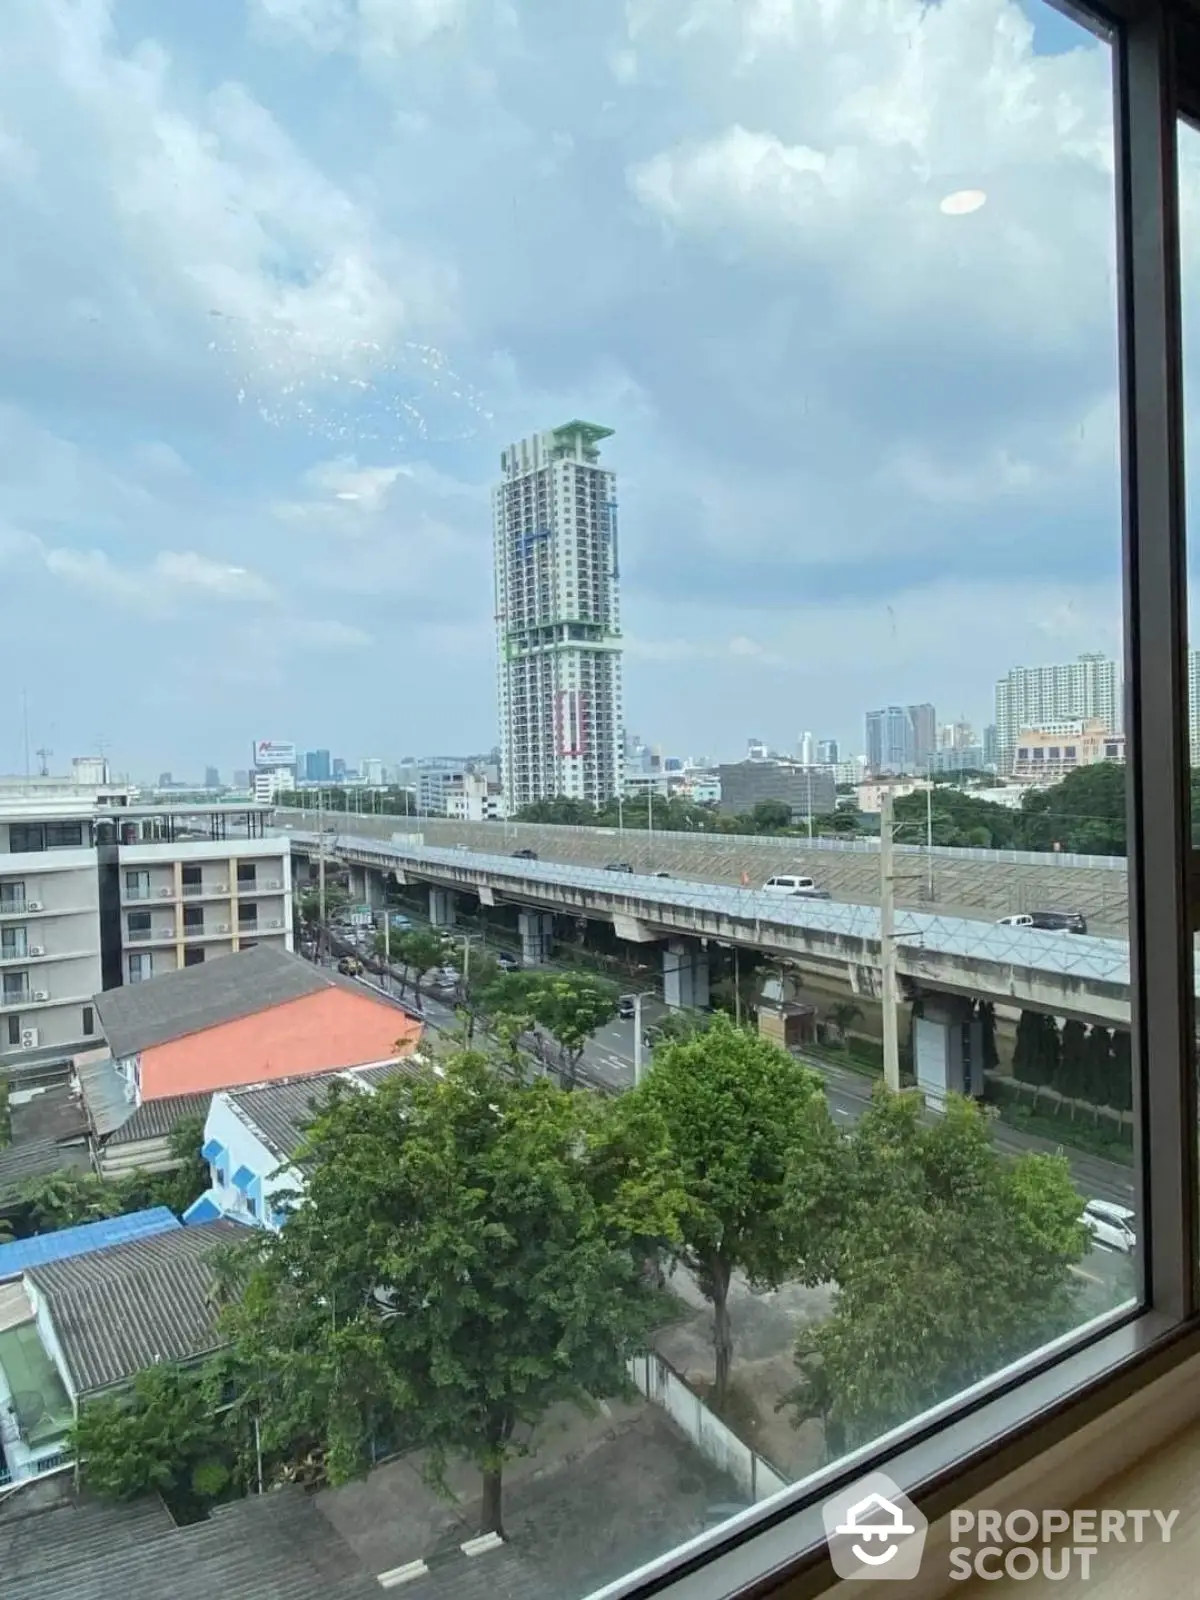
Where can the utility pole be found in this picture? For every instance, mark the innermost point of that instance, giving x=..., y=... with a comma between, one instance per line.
x=887, y=943
x=929, y=838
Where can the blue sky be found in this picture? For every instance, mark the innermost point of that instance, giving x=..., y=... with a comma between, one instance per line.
x=288, y=274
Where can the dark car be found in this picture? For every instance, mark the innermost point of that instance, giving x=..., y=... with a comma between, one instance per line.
x=525, y=855
x=626, y=1007
x=1048, y=921
x=662, y=874
x=507, y=962
x=618, y=866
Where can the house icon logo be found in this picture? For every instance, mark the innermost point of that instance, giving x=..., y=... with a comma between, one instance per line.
x=874, y=1530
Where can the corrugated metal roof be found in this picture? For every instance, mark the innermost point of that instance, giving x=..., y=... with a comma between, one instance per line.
x=140, y=1015
x=84, y=1240
x=155, y=1119
x=105, y=1094
x=279, y=1111
x=120, y=1310
x=22, y=1163
x=269, y=1547
x=497, y=1574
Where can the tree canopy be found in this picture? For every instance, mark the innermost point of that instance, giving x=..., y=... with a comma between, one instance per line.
x=952, y=1260
x=750, y=1133
x=466, y=1255
x=569, y=1006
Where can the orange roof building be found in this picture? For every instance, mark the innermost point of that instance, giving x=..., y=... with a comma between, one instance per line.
x=250, y=1017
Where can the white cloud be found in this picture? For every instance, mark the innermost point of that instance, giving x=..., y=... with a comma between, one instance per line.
x=173, y=580
x=364, y=27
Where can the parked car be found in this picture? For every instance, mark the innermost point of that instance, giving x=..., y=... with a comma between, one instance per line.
x=790, y=883
x=507, y=962
x=662, y=874
x=350, y=967
x=618, y=866
x=626, y=1007
x=445, y=977
x=1111, y=1225
x=525, y=855
x=1048, y=921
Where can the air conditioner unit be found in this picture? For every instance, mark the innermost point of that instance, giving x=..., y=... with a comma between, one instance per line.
x=33, y=905
x=41, y=994
x=221, y=927
x=221, y=888
x=37, y=949
x=165, y=894
x=30, y=1038
x=275, y=923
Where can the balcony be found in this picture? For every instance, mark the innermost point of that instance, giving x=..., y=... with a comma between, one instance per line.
x=208, y=930
x=25, y=995
x=161, y=935
x=205, y=891
x=18, y=908
x=261, y=886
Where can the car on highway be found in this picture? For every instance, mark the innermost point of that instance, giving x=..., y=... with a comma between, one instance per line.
x=525, y=855
x=1111, y=1225
x=662, y=874
x=1047, y=921
x=444, y=977
x=626, y=1007
x=792, y=883
x=350, y=967
x=618, y=866
x=507, y=962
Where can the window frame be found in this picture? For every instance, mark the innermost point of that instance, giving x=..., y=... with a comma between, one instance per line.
x=963, y=1447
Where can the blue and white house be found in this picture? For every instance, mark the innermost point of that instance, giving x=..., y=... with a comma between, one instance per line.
x=251, y=1139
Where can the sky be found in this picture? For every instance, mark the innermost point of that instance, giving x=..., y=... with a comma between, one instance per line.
x=283, y=277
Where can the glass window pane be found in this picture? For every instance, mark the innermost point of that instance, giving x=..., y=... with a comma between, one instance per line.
x=668, y=454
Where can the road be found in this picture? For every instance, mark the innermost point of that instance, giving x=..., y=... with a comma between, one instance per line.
x=1107, y=1278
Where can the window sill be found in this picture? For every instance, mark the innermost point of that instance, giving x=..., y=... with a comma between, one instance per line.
x=1048, y=1441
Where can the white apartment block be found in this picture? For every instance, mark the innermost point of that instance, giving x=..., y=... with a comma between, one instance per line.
x=97, y=891
x=1035, y=697
x=554, y=523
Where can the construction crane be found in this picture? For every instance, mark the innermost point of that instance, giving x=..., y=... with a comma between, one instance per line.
x=43, y=756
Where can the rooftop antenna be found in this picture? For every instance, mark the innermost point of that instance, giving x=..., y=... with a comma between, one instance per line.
x=25, y=719
x=43, y=756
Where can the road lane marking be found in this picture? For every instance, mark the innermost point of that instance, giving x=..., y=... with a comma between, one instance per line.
x=1090, y=1276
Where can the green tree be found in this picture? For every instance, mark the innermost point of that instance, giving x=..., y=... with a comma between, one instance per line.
x=771, y=816
x=842, y=1013
x=1072, y=1067
x=755, y=1147
x=1085, y=813
x=953, y=1260
x=5, y=1115
x=336, y=901
x=465, y=1258
x=1098, y=1079
x=170, y=1434
x=1122, y=1070
x=570, y=1006
x=986, y=1013
x=418, y=951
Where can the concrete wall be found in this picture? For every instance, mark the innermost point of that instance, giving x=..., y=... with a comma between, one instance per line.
x=985, y=883
x=660, y=1383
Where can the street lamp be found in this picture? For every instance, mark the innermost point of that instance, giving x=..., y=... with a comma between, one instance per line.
x=646, y=994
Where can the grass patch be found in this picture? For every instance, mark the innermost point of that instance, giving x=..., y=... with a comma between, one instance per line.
x=1090, y=1138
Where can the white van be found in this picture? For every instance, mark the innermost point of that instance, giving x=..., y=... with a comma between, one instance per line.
x=789, y=883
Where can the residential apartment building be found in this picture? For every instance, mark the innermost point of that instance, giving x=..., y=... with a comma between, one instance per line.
x=1035, y=697
x=901, y=738
x=97, y=891
x=1046, y=755
x=558, y=624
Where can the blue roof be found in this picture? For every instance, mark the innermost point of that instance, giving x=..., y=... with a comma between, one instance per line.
x=205, y=1209
x=83, y=1240
x=214, y=1150
x=243, y=1179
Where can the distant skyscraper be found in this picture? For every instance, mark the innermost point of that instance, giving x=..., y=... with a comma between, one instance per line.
x=923, y=721
x=756, y=750
x=901, y=738
x=317, y=767
x=165, y=780
x=807, y=750
x=1032, y=697
x=554, y=532
x=212, y=778
x=827, y=753
x=990, y=745
x=337, y=770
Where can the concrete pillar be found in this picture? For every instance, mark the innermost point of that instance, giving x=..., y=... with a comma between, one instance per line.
x=373, y=887
x=358, y=885
x=685, y=975
x=537, y=937
x=947, y=1049
x=441, y=908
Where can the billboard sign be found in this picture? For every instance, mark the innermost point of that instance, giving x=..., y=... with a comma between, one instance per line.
x=274, y=753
